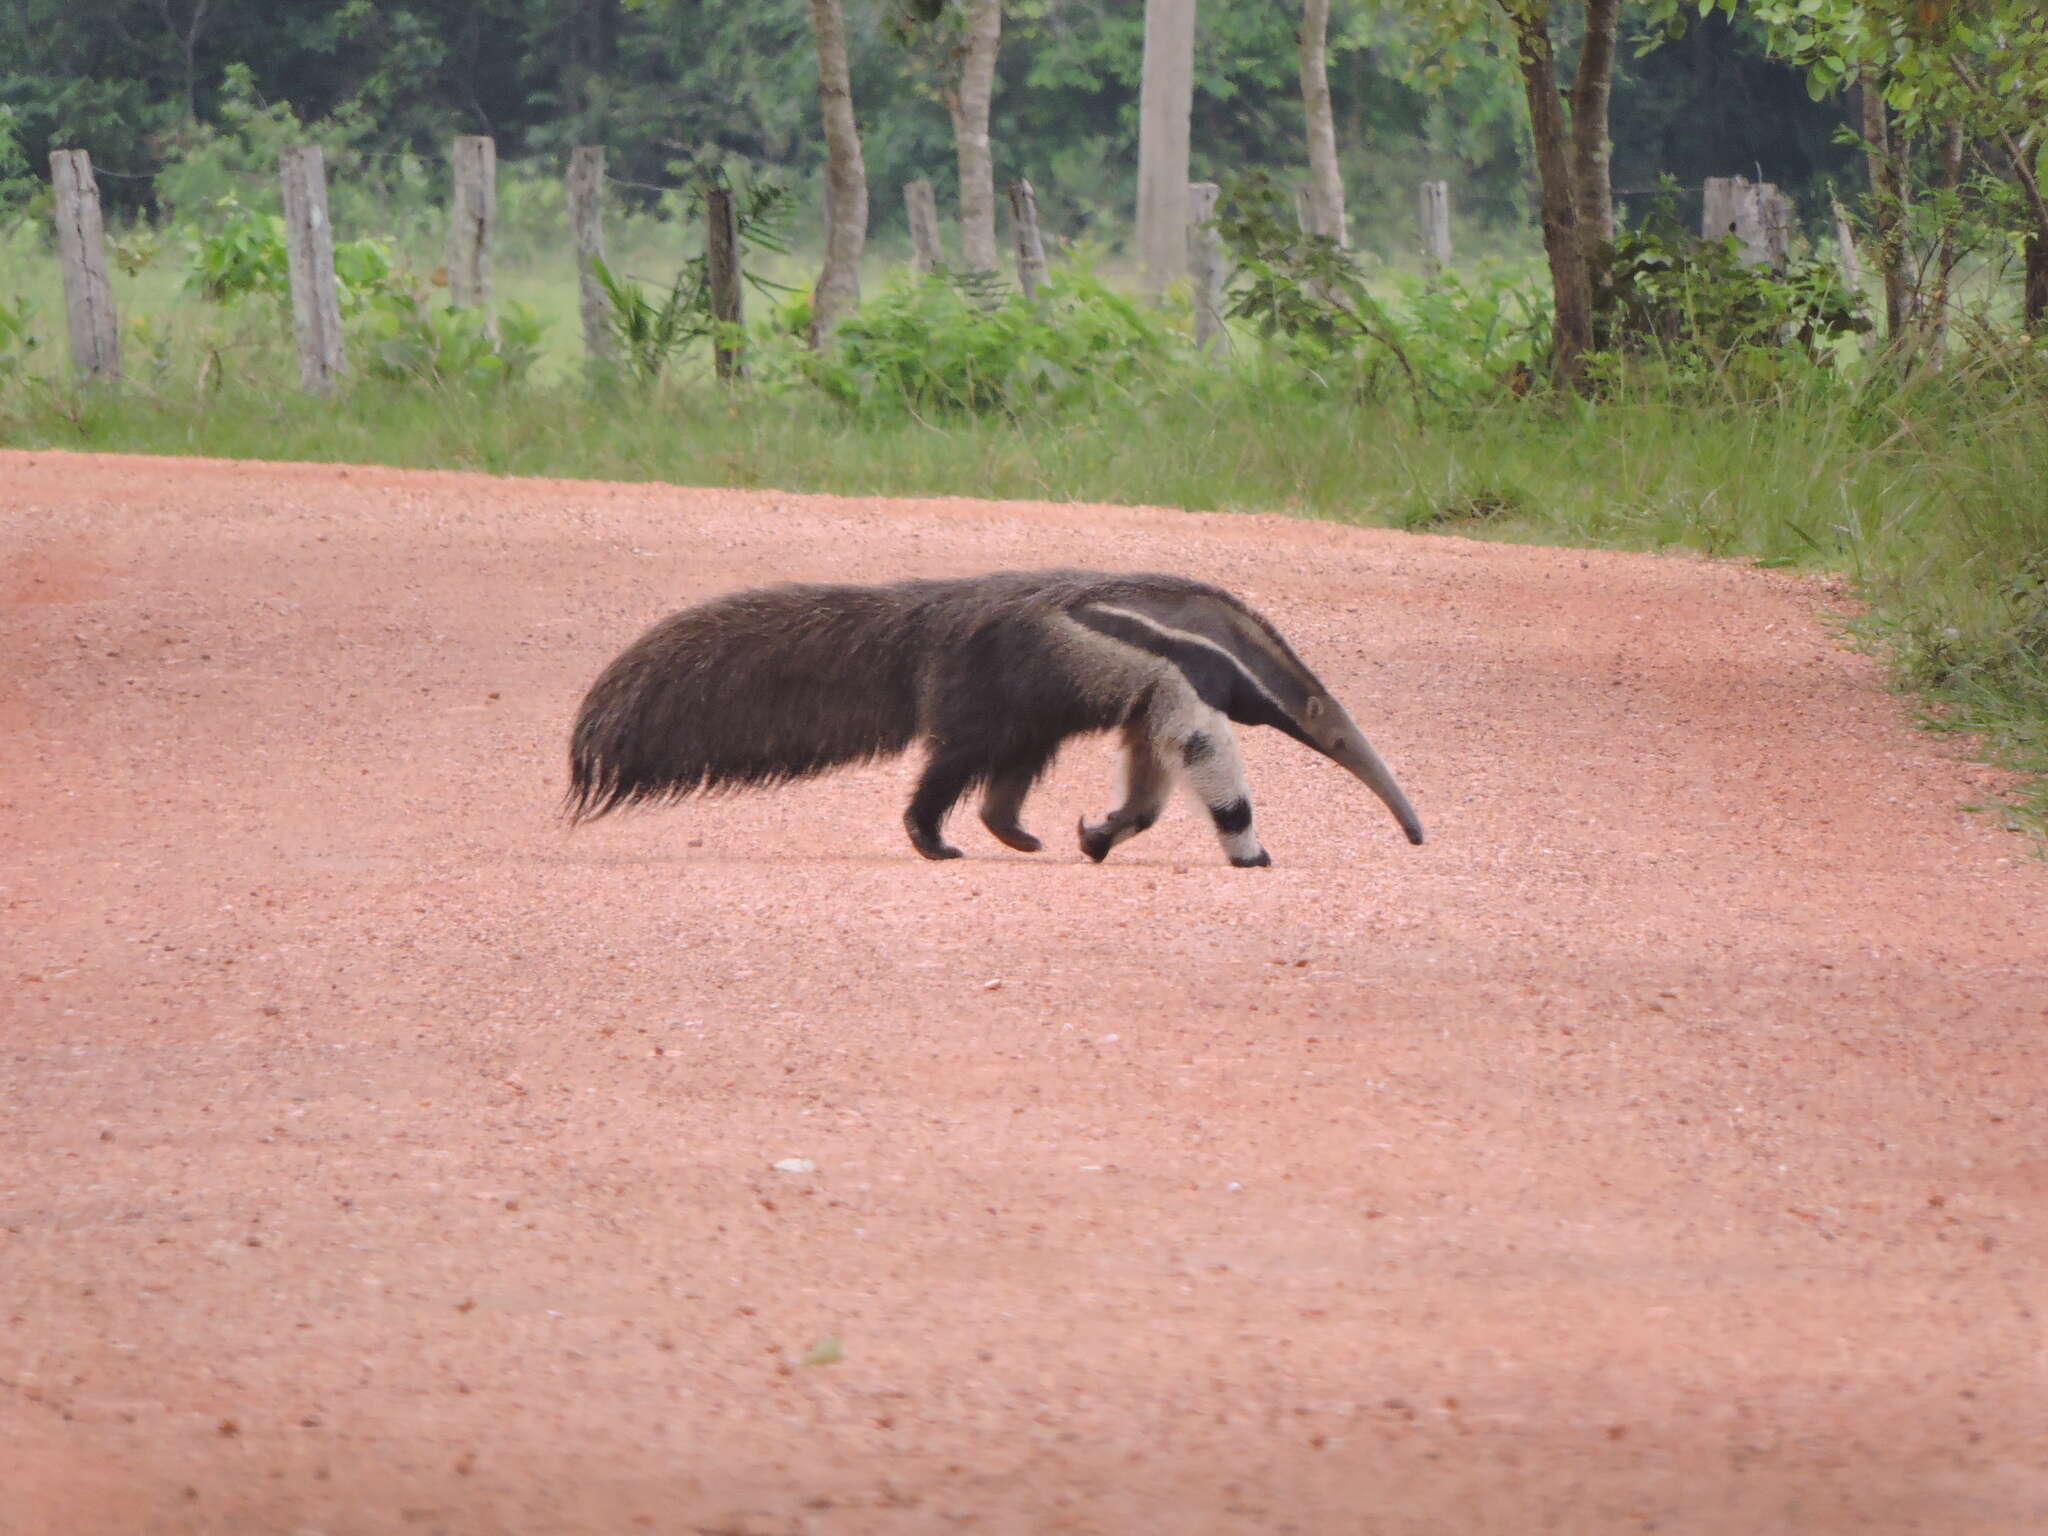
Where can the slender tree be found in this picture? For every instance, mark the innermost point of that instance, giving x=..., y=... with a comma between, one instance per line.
x=968, y=91
x=1575, y=197
x=1592, y=149
x=846, y=179
x=185, y=34
x=1558, y=192
x=1887, y=203
x=1325, y=184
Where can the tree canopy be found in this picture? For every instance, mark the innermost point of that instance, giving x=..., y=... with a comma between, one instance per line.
x=669, y=85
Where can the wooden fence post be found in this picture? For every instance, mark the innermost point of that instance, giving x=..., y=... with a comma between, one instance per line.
x=921, y=206
x=88, y=295
x=1205, y=264
x=722, y=272
x=472, y=219
x=586, y=229
x=1030, y=249
x=1756, y=213
x=309, y=243
x=1435, y=206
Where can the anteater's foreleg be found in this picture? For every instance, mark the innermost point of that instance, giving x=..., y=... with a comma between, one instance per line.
x=1217, y=774
x=1189, y=737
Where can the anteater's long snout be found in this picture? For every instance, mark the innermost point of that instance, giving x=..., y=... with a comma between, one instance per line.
x=1355, y=753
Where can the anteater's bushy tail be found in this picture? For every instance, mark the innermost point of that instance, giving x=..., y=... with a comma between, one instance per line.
x=754, y=689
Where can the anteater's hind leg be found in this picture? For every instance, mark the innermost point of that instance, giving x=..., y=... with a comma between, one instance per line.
x=947, y=777
x=1001, y=806
x=1148, y=780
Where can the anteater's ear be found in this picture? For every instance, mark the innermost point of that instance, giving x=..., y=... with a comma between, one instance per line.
x=1314, y=710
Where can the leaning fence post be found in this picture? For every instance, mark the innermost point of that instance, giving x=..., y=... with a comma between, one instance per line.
x=921, y=207
x=722, y=272
x=309, y=245
x=1205, y=263
x=472, y=218
x=88, y=295
x=1434, y=202
x=1845, y=248
x=586, y=230
x=1030, y=249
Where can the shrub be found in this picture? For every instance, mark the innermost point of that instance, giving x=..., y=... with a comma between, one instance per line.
x=17, y=341
x=931, y=346
x=1661, y=289
x=412, y=340
x=248, y=255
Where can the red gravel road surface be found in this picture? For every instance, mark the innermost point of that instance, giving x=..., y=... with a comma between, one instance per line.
x=1658, y=1148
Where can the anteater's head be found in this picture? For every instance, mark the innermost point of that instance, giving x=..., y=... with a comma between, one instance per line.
x=1237, y=662
x=1325, y=726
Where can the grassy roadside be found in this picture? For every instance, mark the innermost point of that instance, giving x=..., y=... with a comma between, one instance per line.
x=1928, y=494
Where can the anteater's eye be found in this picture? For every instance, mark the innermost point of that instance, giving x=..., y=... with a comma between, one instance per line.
x=1314, y=711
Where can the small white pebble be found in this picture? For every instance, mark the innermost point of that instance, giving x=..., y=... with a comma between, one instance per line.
x=796, y=1165
x=994, y=985
x=1233, y=1188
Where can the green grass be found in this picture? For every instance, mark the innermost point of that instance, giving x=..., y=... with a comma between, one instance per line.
x=1927, y=493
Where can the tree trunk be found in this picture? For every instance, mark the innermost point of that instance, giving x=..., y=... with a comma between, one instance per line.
x=1326, y=186
x=2034, y=293
x=1934, y=311
x=1572, y=328
x=1591, y=147
x=846, y=177
x=1887, y=205
x=1166, y=97
x=968, y=103
x=187, y=39
x=2034, y=307
x=592, y=29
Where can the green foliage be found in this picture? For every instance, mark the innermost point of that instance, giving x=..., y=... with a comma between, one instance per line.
x=411, y=340
x=932, y=347
x=1471, y=333
x=1696, y=301
x=17, y=185
x=653, y=334
x=247, y=254
x=1303, y=289
x=136, y=248
x=17, y=340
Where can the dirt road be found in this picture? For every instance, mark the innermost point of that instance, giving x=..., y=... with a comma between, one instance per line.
x=1662, y=1146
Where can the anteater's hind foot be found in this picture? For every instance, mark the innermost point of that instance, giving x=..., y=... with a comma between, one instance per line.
x=928, y=842
x=1010, y=835
x=1003, y=805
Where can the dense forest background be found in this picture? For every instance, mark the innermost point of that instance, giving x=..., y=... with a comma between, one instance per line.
x=669, y=85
